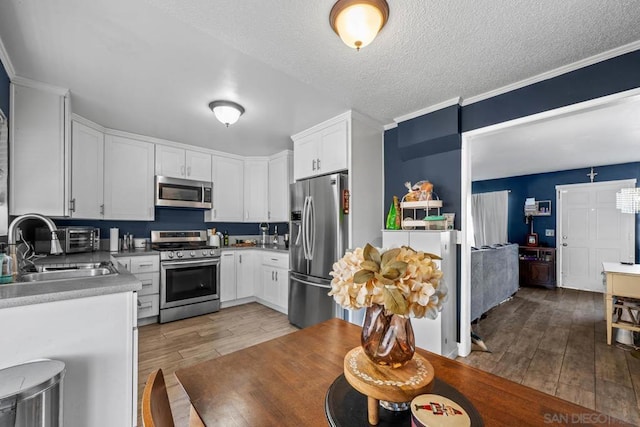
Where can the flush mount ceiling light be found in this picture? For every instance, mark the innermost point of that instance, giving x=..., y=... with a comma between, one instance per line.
x=227, y=112
x=628, y=200
x=358, y=22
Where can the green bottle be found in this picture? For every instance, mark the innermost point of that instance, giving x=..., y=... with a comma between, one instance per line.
x=391, y=216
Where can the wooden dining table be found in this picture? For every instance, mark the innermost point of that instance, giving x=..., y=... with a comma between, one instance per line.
x=283, y=382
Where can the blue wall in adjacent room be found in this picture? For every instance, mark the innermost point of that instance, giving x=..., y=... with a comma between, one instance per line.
x=542, y=187
x=174, y=219
x=4, y=90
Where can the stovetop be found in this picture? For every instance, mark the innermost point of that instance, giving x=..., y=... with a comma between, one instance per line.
x=177, y=245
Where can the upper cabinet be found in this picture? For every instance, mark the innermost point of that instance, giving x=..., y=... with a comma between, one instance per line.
x=279, y=180
x=322, y=149
x=39, y=151
x=179, y=163
x=87, y=172
x=228, y=188
x=256, y=187
x=128, y=179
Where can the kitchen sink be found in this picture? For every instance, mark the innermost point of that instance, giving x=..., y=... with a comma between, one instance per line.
x=65, y=272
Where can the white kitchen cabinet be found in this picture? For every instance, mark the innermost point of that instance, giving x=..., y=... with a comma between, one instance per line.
x=228, y=287
x=228, y=190
x=97, y=339
x=146, y=268
x=246, y=273
x=87, y=172
x=39, y=152
x=275, y=281
x=436, y=335
x=180, y=163
x=256, y=187
x=321, y=150
x=128, y=179
x=279, y=181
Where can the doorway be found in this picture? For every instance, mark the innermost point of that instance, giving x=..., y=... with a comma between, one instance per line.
x=591, y=231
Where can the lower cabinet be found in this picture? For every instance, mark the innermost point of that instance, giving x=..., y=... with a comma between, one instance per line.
x=238, y=275
x=275, y=281
x=146, y=268
x=227, y=276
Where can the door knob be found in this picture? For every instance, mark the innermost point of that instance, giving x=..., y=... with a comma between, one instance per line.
x=564, y=244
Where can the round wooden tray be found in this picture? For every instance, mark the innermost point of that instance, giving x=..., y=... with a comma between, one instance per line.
x=344, y=406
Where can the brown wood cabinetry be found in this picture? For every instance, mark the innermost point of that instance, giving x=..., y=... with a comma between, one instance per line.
x=537, y=266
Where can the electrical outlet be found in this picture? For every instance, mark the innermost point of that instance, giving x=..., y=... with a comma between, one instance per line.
x=549, y=232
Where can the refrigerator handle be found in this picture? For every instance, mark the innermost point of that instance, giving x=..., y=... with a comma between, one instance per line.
x=304, y=227
x=312, y=227
x=297, y=242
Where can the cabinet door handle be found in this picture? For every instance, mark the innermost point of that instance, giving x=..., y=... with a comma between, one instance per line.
x=240, y=259
x=318, y=163
x=72, y=205
x=188, y=170
x=276, y=276
x=214, y=213
x=101, y=209
x=146, y=265
x=268, y=214
x=313, y=165
x=272, y=275
x=182, y=170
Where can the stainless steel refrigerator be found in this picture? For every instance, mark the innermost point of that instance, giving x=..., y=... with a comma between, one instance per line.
x=318, y=237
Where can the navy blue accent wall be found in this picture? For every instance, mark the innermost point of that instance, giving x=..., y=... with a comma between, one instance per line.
x=4, y=90
x=542, y=187
x=432, y=133
x=604, y=78
x=442, y=169
x=173, y=219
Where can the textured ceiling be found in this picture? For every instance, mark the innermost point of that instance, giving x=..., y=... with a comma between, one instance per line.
x=152, y=66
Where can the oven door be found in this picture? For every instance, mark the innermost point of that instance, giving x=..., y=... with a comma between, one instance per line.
x=189, y=281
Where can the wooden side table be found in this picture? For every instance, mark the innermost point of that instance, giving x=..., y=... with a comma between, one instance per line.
x=379, y=382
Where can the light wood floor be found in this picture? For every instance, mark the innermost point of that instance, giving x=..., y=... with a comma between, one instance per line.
x=176, y=345
x=555, y=341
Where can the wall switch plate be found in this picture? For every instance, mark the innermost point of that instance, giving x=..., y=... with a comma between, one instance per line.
x=549, y=232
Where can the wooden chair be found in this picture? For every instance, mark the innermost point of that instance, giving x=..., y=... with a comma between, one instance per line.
x=156, y=410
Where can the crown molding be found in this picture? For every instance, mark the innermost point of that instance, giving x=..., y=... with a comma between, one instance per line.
x=337, y=119
x=631, y=47
x=23, y=81
x=390, y=126
x=427, y=110
x=8, y=65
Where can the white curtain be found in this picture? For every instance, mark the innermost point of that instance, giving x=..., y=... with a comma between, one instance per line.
x=490, y=213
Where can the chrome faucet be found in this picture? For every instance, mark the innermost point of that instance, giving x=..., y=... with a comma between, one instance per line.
x=11, y=238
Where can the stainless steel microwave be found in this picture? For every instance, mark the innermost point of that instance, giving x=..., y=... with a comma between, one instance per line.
x=184, y=193
x=72, y=239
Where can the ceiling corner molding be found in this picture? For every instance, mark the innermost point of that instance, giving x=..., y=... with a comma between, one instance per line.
x=333, y=120
x=6, y=61
x=633, y=46
x=390, y=126
x=76, y=118
x=23, y=81
x=427, y=110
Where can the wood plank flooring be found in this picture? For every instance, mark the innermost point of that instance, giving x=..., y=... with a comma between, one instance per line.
x=555, y=341
x=550, y=340
x=175, y=345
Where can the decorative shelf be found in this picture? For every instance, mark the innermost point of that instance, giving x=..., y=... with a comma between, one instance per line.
x=541, y=208
x=409, y=220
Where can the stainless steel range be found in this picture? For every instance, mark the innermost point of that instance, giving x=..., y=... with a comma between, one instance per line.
x=189, y=274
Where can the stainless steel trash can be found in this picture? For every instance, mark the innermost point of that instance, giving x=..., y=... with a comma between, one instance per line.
x=31, y=394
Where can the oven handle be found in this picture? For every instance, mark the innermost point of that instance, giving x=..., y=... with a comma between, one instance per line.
x=177, y=264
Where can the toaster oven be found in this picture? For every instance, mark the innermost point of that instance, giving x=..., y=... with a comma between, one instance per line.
x=72, y=239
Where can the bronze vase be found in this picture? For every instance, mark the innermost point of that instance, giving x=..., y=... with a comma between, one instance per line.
x=387, y=338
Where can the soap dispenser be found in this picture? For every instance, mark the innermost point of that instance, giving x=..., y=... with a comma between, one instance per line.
x=6, y=265
x=275, y=236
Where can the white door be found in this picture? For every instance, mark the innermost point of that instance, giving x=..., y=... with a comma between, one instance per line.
x=282, y=279
x=245, y=273
x=227, y=276
x=305, y=156
x=279, y=189
x=591, y=231
x=256, y=186
x=270, y=285
x=333, y=148
x=87, y=148
x=170, y=161
x=128, y=179
x=228, y=190
x=198, y=165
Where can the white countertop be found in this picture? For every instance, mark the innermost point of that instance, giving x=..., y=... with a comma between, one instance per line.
x=616, y=267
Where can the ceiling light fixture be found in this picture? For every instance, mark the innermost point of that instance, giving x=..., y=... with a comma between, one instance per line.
x=227, y=112
x=628, y=200
x=358, y=22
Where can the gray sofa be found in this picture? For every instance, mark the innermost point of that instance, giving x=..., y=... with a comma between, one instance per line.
x=494, y=276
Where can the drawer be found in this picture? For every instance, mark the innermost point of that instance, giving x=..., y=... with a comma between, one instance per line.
x=144, y=264
x=625, y=285
x=150, y=283
x=148, y=305
x=276, y=260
